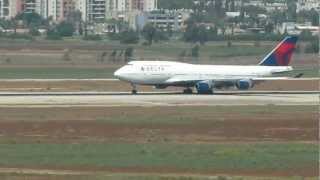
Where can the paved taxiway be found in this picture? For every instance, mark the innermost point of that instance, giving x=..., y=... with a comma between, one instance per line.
x=152, y=99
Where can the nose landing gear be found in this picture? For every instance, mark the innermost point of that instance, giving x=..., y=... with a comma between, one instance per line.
x=134, y=89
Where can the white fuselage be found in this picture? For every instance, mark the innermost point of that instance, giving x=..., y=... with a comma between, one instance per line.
x=160, y=72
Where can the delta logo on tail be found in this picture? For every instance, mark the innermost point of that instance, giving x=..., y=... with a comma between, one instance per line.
x=281, y=55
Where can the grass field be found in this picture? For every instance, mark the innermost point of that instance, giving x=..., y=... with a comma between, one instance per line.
x=91, y=73
x=216, y=157
x=127, y=176
x=56, y=73
x=255, y=141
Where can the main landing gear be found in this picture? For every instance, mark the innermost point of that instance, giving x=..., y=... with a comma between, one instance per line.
x=134, y=89
x=187, y=91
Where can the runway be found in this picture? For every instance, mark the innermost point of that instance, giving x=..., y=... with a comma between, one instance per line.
x=111, y=99
x=112, y=79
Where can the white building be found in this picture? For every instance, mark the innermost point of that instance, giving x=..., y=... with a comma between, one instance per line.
x=151, y=5
x=166, y=20
x=96, y=10
x=308, y=5
x=274, y=6
x=4, y=9
x=81, y=5
x=55, y=9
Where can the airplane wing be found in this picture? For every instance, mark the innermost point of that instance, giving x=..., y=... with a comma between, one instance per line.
x=181, y=79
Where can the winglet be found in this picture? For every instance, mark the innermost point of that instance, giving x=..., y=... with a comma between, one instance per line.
x=281, y=55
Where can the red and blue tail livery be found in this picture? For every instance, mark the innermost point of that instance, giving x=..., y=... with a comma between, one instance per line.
x=281, y=55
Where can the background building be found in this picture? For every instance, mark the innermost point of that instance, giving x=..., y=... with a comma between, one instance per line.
x=308, y=5
x=4, y=9
x=96, y=10
x=165, y=20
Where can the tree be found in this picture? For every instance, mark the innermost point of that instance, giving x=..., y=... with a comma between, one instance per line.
x=306, y=35
x=30, y=19
x=65, y=29
x=129, y=37
x=314, y=17
x=128, y=54
x=149, y=32
x=202, y=34
x=175, y=4
x=9, y=24
x=191, y=33
x=196, y=33
x=292, y=10
x=313, y=47
x=269, y=28
x=75, y=18
x=113, y=55
x=52, y=34
x=195, y=51
x=218, y=8
x=33, y=31
x=311, y=16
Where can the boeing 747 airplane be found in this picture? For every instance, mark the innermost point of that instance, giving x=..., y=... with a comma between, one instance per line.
x=206, y=78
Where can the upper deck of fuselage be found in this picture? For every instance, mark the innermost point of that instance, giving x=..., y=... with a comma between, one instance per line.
x=206, y=67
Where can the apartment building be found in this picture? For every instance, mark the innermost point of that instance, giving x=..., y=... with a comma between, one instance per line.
x=166, y=20
x=91, y=10
x=54, y=9
x=144, y=5
x=81, y=5
x=308, y=5
x=4, y=9
x=69, y=6
x=96, y=10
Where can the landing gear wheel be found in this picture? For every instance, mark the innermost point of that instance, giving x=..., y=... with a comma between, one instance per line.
x=134, y=92
x=134, y=89
x=187, y=91
x=206, y=92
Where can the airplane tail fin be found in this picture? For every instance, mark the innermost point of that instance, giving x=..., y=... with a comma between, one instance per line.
x=281, y=55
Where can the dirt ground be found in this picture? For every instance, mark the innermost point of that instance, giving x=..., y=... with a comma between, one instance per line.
x=92, y=124
x=86, y=125
x=100, y=85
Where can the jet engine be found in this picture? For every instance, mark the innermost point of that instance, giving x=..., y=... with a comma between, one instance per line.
x=244, y=84
x=204, y=87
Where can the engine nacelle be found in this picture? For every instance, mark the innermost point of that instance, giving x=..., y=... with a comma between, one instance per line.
x=244, y=84
x=204, y=87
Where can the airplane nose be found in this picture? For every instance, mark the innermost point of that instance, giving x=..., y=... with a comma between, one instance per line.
x=117, y=73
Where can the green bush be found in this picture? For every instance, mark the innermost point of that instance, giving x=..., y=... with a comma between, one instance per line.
x=312, y=47
x=129, y=37
x=92, y=38
x=33, y=31
x=195, y=51
x=20, y=36
x=65, y=29
x=53, y=35
x=114, y=36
